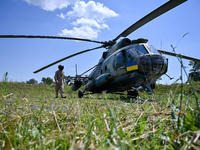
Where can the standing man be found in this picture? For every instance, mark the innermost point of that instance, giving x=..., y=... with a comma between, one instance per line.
x=59, y=79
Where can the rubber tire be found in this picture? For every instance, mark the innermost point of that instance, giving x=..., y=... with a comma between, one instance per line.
x=80, y=93
x=132, y=94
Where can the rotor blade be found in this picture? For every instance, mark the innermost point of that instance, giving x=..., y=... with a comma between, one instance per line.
x=179, y=55
x=66, y=58
x=89, y=70
x=157, y=12
x=48, y=37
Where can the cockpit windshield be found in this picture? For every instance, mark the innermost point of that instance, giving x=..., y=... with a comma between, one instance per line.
x=152, y=49
x=141, y=49
x=136, y=51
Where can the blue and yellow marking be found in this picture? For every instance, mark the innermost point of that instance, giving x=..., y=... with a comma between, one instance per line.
x=108, y=64
x=115, y=46
x=100, y=82
x=130, y=66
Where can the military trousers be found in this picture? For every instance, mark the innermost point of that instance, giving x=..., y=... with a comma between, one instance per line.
x=61, y=88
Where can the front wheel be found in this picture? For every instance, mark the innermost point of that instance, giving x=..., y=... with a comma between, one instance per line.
x=80, y=93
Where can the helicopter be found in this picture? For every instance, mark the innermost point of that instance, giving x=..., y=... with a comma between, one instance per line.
x=126, y=65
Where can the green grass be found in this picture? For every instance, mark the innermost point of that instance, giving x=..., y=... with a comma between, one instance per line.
x=31, y=118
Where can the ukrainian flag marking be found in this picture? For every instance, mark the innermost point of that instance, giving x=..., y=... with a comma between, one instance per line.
x=108, y=64
x=131, y=66
x=100, y=82
x=115, y=46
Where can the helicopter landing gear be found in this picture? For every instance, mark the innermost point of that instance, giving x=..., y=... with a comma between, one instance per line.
x=132, y=94
x=80, y=93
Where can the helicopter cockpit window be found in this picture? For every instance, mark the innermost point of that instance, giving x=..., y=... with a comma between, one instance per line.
x=141, y=50
x=119, y=59
x=152, y=49
x=131, y=54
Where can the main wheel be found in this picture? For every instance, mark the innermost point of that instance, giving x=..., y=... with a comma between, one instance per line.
x=80, y=93
x=153, y=86
x=132, y=94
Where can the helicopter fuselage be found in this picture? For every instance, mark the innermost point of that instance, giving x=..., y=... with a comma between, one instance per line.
x=127, y=65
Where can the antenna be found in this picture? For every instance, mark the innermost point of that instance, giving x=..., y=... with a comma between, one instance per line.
x=76, y=68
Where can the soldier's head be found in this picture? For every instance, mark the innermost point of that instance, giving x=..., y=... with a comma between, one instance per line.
x=60, y=67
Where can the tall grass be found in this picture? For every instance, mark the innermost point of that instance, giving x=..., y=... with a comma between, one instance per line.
x=31, y=118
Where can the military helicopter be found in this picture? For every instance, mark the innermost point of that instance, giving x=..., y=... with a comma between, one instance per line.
x=127, y=65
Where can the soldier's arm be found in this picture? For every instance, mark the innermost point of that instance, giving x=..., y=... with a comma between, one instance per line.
x=56, y=77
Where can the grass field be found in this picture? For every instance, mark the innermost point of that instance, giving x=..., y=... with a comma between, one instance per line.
x=31, y=118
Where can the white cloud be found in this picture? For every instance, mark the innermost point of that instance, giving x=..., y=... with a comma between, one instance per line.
x=88, y=19
x=81, y=32
x=51, y=5
x=61, y=16
x=91, y=10
x=90, y=22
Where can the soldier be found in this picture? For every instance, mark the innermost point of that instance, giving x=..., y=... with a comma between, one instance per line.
x=59, y=79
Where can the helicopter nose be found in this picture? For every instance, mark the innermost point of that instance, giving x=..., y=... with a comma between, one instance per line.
x=152, y=64
x=145, y=64
x=157, y=63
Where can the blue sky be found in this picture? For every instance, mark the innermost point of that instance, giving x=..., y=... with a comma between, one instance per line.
x=98, y=20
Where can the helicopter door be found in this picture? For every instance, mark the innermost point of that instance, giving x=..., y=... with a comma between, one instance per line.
x=120, y=65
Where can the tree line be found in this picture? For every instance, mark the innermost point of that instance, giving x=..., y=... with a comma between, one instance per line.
x=195, y=71
x=47, y=80
x=44, y=80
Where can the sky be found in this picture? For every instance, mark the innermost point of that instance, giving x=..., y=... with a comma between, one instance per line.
x=97, y=20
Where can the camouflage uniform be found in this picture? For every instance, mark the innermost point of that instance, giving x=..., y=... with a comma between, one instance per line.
x=59, y=75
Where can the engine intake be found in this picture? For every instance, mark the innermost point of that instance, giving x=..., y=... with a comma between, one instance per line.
x=77, y=84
